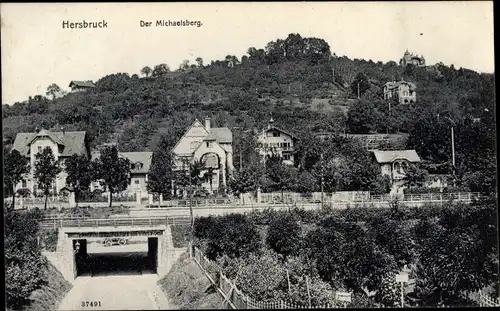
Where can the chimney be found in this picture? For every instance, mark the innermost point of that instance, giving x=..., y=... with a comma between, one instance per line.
x=62, y=130
x=36, y=129
x=207, y=124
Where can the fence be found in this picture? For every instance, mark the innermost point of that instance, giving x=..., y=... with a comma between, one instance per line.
x=485, y=301
x=364, y=197
x=55, y=223
x=235, y=297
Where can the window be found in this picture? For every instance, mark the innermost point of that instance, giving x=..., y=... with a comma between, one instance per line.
x=39, y=148
x=209, y=144
x=276, y=134
x=23, y=184
x=136, y=181
x=286, y=157
x=269, y=134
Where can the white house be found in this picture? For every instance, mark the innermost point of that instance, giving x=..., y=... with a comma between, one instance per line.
x=140, y=162
x=393, y=163
x=404, y=92
x=275, y=141
x=212, y=146
x=63, y=144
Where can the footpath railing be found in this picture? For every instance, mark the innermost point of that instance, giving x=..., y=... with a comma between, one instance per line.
x=55, y=223
x=235, y=297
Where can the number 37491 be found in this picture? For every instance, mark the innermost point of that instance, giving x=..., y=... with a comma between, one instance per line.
x=90, y=304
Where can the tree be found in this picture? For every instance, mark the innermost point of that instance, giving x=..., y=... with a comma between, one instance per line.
x=24, y=263
x=146, y=71
x=79, y=174
x=53, y=90
x=15, y=168
x=233, y=235
x=463, y=242
x=112, y=171
x=161, y=173
x=336, y=246
x=415, y=176
x=261, y=277
x=46, y=170
x=281, y=177
x=199, y=61
x=362, y=118
x=160, y=70
x=360, y=85
x=284, y=235
x=184, y=65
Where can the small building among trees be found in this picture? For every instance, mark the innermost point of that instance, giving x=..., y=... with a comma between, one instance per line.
x=402, y=91
x=80, y=86
x=395, y=163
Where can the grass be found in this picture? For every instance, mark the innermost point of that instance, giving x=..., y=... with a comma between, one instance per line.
x=50, y=295
x=188, y=288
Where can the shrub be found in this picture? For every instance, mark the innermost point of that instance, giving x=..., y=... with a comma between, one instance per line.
x=284, y=235
x=181, y=234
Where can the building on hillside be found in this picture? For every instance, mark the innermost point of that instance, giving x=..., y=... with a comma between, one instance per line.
x=213, y=147
x=140, y=162
x=410, y=59
x=404, y=92
x=63, y=144
x=274, y=141
x=79, y=86
x=394, y=163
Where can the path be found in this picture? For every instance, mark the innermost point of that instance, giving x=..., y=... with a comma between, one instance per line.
x=125, y=290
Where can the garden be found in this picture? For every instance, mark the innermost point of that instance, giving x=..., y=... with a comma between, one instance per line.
x=303, y=258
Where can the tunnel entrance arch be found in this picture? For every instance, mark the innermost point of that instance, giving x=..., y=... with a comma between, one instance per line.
x=74, y=256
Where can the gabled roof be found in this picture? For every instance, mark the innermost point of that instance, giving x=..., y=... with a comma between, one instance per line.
x=280, y=130
x=144, y=157
x=222, y=135
x=396, y=84
x=75, y=83
x=389, y=156
x=51, y=135
x=73, y=142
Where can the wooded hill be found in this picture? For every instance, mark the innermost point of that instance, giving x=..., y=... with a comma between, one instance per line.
x=298, y=81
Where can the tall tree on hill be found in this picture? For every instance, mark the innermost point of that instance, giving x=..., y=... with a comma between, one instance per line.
x=360, y=85
x=160, y=70
x=53, y=90
x=46, y=170
x=79, y=174
x=199, y=61
x=146, y=71
x=15, y=167
x=112, y=171
x=362, y=118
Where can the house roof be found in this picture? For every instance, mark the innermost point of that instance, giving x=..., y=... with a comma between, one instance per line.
x=283, y=131
x=389, y=156
x=75, y=83
x=143, y=157
x=396, y=84
x=73, y=142
x=222, y=134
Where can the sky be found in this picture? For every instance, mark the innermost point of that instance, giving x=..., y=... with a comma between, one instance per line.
x=36, y=51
